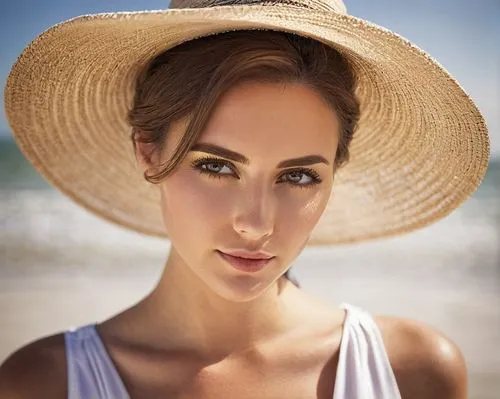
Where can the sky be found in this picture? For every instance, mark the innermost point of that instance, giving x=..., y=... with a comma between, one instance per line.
x=460, y=34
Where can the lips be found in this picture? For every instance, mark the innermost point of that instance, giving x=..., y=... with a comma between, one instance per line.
x=249, y=254
x=245, y=264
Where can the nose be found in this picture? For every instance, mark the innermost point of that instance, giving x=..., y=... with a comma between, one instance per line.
x=254, y=215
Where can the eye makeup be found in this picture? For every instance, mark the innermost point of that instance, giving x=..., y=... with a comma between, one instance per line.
x=201, y=164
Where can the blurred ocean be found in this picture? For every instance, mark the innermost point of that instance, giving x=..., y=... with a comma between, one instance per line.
x=61, y=266
x=34, y=215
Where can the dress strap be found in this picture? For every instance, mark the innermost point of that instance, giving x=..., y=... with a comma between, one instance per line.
x=91, y=372
x=364, y=370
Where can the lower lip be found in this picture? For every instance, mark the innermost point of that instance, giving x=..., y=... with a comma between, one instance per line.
x=246, y=265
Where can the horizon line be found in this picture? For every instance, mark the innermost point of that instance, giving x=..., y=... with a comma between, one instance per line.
x=494, y=156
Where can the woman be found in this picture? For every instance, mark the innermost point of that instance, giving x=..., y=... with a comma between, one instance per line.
x=246, y=147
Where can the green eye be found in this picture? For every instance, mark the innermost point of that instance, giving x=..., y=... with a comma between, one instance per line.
x=212, y=168
x=205, y=166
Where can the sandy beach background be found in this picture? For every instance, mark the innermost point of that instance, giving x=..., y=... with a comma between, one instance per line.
x=62, y=267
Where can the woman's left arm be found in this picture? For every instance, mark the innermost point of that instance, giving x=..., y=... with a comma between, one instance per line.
x=426, y=363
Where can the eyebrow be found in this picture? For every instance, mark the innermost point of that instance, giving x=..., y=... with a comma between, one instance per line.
x=234, y=156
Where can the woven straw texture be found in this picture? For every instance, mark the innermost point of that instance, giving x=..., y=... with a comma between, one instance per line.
x=420, y=150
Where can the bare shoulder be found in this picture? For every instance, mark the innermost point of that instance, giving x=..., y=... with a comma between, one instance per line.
x=426, y=363
x=36, y=370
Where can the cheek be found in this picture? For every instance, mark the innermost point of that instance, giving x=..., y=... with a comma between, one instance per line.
x=194, y=206
x=300, y=216
x=190, y=207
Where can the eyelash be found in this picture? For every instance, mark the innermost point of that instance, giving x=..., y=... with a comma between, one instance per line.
x=209, y=160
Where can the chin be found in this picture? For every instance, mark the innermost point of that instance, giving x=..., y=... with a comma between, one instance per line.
x=242, y=288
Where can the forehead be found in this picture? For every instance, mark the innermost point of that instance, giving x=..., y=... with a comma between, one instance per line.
x=272, y=117
x=273, y=120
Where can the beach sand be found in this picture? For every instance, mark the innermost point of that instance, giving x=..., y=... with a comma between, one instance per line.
x=62, y=268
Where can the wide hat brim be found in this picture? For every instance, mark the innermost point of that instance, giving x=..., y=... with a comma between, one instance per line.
x=421, y=148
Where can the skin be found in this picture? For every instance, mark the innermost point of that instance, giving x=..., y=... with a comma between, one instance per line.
x=209, y=330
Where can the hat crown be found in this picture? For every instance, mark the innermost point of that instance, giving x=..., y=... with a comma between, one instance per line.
x=337, y=6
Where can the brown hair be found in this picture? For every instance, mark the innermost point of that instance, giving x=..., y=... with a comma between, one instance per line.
x=205, y=68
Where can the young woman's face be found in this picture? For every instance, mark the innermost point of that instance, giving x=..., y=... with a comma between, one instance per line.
x=214, y=203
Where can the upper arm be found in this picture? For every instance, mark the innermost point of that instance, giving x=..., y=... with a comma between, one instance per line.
x=426, y=363
x=36, y=370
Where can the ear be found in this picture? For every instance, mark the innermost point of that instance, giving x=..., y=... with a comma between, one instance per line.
x=145, y=153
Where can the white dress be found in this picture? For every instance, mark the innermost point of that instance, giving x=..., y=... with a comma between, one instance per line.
x=363, y=370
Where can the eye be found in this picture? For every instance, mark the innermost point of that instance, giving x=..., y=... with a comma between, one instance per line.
x=213, y=167
x=297, y=177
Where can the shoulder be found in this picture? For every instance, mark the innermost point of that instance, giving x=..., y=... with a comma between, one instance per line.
x=36, y=370
x=426, y=363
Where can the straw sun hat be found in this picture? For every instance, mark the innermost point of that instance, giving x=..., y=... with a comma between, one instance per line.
x=420, y=150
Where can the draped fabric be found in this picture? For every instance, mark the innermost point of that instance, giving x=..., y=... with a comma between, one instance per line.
x=363, y=371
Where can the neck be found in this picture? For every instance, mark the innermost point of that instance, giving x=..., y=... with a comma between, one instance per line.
x=184, y=308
